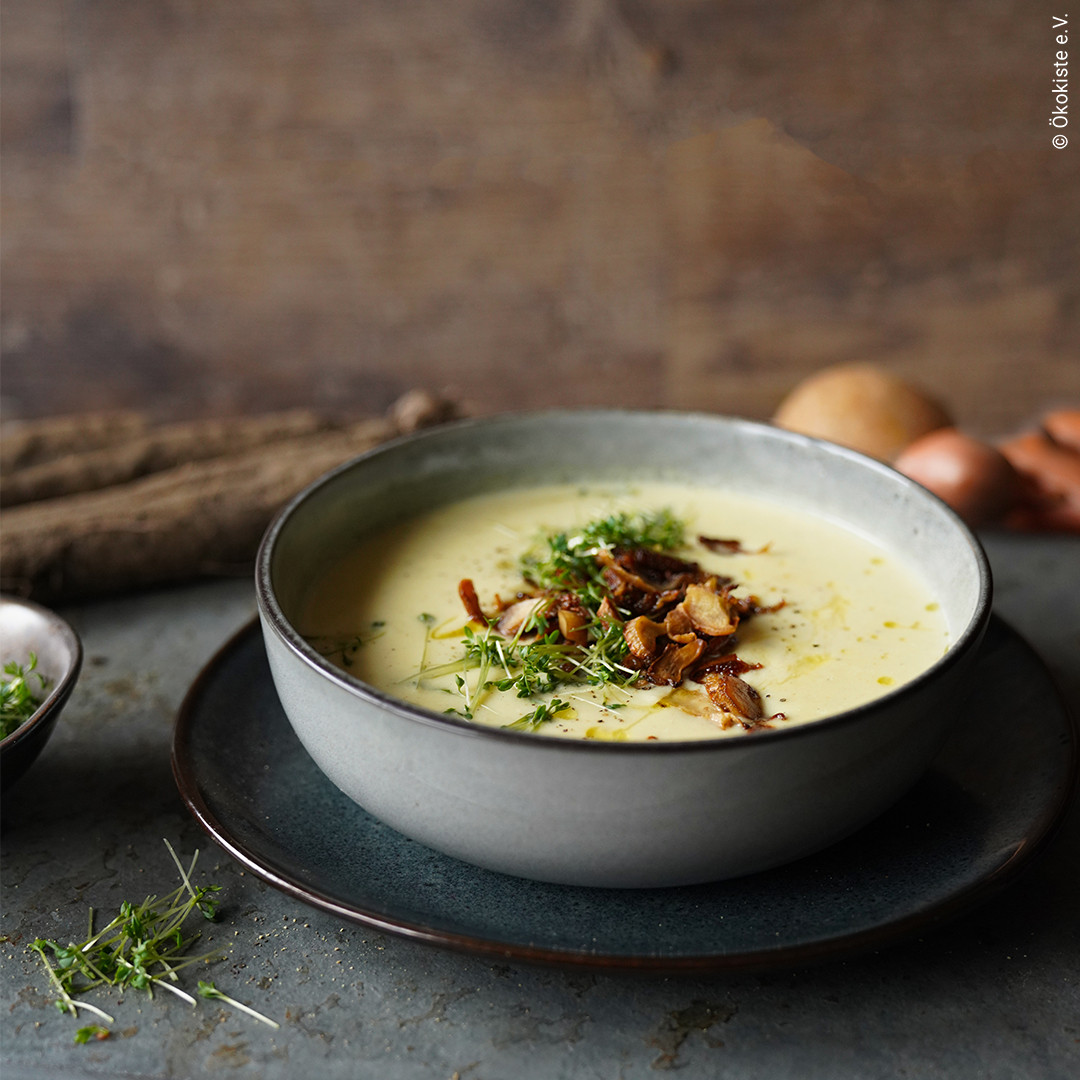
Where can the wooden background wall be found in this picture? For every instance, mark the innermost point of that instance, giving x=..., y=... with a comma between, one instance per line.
x=220, y=207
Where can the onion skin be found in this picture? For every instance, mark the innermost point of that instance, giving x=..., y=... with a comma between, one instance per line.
x=1051, y=470
x=1063, y=427
x=973, y=477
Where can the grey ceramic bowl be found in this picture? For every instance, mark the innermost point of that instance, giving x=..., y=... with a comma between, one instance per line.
x=27, y=628
x=603, y=813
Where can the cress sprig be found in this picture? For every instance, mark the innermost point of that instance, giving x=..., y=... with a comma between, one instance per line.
x=143, y=947
x=544, y=712
x=18, y=702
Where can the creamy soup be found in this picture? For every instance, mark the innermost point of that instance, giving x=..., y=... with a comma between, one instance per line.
x=826, y=620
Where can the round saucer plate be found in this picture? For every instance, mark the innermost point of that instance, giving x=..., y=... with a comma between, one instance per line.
x=989, y=803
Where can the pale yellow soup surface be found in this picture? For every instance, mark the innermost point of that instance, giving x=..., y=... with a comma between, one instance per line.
x=856, y=623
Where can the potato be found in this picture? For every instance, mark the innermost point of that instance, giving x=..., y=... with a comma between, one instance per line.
x=974, y=478
x=863, y=407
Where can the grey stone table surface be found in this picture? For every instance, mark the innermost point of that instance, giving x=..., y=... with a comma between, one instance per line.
x=991, y=994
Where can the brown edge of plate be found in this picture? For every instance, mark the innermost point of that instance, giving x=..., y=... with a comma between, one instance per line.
x=794, y=956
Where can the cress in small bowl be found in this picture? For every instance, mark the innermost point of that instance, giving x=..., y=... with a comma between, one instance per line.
x=41, y=659
x=556, y=795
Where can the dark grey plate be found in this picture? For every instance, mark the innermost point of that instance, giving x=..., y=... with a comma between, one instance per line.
x=990, y=802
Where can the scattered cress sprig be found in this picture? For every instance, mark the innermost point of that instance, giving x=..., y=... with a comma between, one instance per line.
x=142, y=947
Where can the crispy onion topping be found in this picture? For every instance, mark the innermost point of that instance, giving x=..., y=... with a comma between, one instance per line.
x=676, y=621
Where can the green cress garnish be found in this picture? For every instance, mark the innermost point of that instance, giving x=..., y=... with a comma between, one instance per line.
x=542, y=714
x=536, y=660
x=610, y=605
x=18, y=702
x=569, y=561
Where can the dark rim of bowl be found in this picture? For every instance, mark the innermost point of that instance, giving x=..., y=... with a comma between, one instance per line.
x=283, y=628
x=64, y=684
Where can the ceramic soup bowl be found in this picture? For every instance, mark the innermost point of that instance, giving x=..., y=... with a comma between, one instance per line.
x=616, y=814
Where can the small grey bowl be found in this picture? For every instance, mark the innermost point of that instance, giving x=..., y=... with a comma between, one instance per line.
x=605, y=813
x=27, y=628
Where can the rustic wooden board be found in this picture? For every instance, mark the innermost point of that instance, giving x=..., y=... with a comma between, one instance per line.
x=217, y=208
